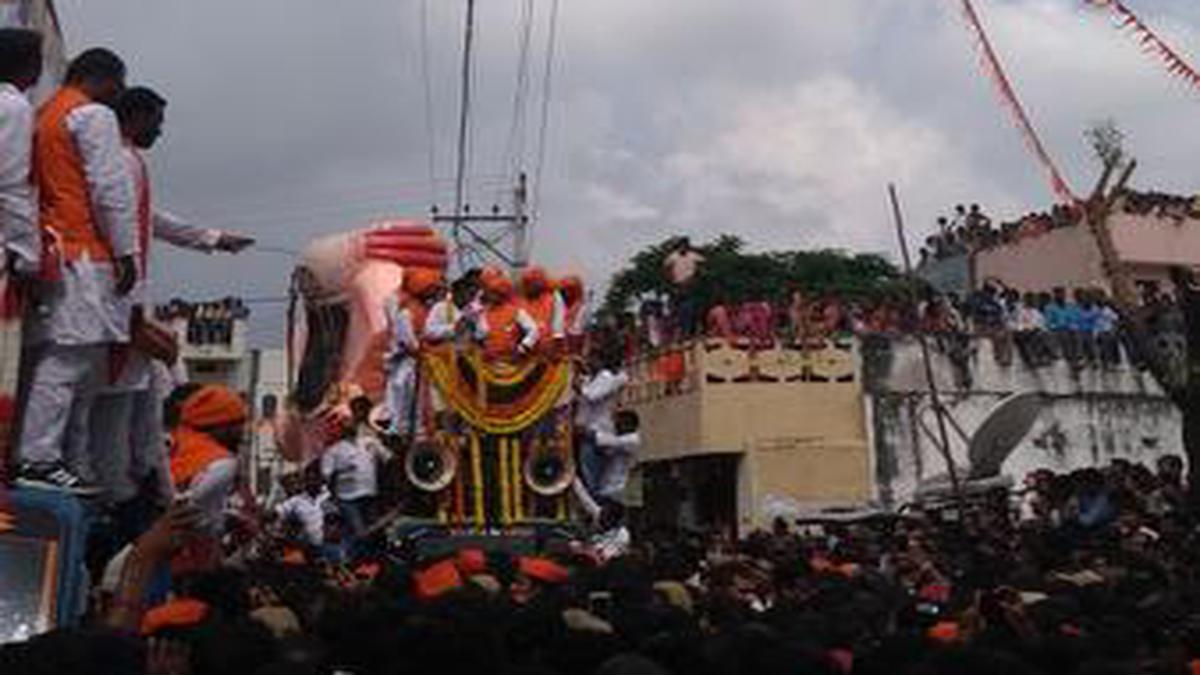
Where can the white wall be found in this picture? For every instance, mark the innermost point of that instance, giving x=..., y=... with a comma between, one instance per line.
x=1088, y=419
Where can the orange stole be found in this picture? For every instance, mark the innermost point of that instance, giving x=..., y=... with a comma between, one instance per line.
x=192, y=453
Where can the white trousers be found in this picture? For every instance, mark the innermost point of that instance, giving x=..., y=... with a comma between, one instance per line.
x=126, y=443
x=401, y=396
x=62, y=389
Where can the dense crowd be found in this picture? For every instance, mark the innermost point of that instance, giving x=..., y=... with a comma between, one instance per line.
x=1080, y=325
x=1088, y=572
x=970, y=231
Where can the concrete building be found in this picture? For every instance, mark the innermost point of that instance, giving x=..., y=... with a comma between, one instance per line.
x=1151, y=233
x=744, y=437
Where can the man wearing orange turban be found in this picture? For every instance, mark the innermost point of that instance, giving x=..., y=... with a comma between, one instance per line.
x=211, y=424
x=545, y=306
x=407, y=316
x=504, y=329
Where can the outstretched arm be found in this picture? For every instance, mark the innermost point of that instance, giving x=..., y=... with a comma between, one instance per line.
x=178, y=232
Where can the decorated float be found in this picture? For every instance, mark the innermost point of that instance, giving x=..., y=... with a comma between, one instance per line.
x=492, y=446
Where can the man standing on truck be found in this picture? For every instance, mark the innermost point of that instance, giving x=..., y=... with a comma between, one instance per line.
x=126, y=425
x=88, y=220
x=505, y=330
x=408, y=314
x=20, y=68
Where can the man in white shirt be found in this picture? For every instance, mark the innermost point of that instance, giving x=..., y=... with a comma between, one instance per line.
x=408, y=313
x=618, y=452
x=20, y=68
x=612, y=539
x=1028, y=325
x=88, y=223
x=349, y=466
x=126, y=424
x=596, y=402
x=681, y=266
x=307, y=508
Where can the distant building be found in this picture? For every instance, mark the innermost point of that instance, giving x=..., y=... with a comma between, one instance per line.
x=733, y=438
x=1151, y=233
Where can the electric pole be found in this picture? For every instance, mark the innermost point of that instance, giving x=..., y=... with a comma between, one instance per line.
x=505, y=241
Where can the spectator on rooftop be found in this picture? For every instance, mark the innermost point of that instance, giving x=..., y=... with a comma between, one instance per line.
x=1106, y=328
x=1029, y=331
x=987, y=315
x=680, y=268
x=959, y=220
x=977, y=220
x=1061, y=319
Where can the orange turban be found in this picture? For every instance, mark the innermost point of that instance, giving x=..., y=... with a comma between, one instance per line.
x=945, y=632
x=436, y=580
x=421, y=281
x=544, y=570
x=572, y=288
x=534, y=280
x=496, y=282
x=181, y=613
x=213, y=405
x=472, y=561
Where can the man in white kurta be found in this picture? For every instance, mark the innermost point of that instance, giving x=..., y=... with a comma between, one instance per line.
x=408, y=316
x=21, y=57
x=126, y=422
x=20, y=68
x=88, y=221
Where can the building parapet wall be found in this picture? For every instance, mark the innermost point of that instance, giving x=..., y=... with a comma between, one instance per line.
x=1090, y=415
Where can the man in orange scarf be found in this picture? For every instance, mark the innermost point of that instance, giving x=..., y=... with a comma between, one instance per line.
x=212, y=422
x=88, y=223
x=505, y=331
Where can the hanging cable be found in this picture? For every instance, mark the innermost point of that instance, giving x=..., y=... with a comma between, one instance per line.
x=547, y=80
x=430, y=131
x=514, y=147
x=464, y=118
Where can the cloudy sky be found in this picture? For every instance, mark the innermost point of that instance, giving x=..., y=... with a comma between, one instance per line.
x=778, y=120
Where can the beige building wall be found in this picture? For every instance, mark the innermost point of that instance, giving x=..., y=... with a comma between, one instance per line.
x=803, y=443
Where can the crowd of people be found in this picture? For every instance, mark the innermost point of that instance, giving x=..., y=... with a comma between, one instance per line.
x=1160, y=205
x=1088, y=572
x=972, y=230
x=1081, y=325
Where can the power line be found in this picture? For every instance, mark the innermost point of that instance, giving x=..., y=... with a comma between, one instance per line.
x=428, y=87
x=547, y=80
x=514, y=147
x=375, y=191
x=464, y=116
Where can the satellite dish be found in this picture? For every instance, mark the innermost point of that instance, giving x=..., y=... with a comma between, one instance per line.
x=1000, y=433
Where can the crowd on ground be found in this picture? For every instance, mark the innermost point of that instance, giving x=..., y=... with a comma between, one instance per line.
x=1092, y=571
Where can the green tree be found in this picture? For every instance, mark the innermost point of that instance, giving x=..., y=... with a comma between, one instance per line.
x=732, y=275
